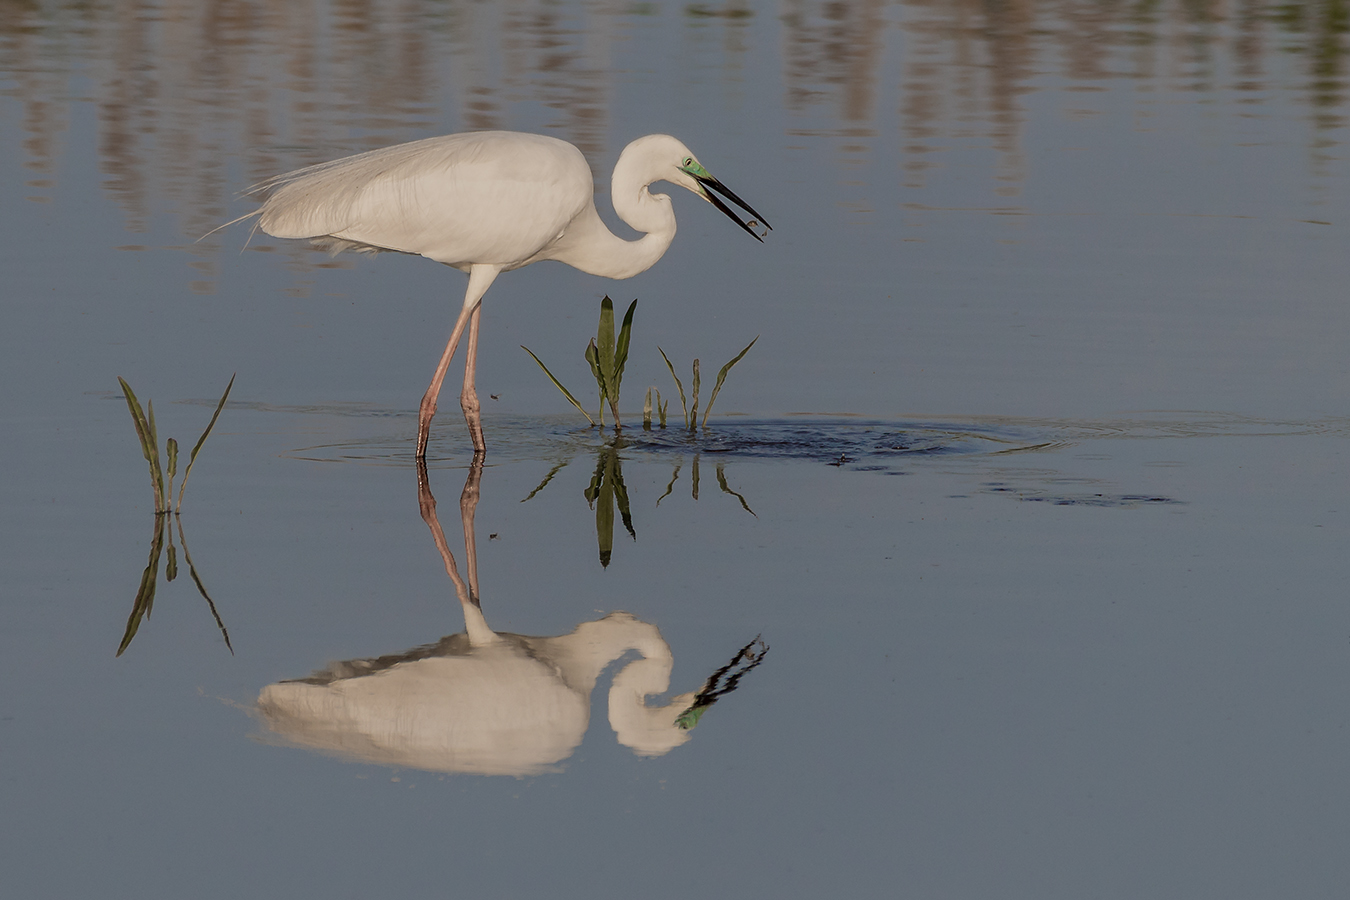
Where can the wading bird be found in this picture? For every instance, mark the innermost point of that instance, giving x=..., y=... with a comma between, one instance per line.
x=486, y=202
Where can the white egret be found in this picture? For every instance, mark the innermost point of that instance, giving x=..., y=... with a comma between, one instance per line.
x=484, y=203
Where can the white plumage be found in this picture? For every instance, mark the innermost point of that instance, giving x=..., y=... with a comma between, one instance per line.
x=484, y=203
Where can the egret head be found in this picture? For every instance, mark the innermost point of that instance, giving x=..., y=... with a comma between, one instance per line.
x=667, y=159
x=700, y=181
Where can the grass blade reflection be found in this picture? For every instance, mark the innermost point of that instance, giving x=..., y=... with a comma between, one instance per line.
x=607, y=494
x=145, y=594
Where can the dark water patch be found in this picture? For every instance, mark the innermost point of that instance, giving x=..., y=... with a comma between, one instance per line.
x=1096, y=499
x=861, y=446
x=1037, y=485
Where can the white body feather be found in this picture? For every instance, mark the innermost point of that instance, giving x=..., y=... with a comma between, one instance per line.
x=495, y=198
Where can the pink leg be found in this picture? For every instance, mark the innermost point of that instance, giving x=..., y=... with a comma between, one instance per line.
x=468, y=396
x=480, y=279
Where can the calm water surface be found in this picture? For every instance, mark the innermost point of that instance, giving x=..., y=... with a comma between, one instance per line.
x=1034, y=485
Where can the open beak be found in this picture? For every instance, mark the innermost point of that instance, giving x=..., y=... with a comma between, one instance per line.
x=708, y=184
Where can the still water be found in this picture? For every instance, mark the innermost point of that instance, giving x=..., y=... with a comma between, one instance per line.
x=1012, y=563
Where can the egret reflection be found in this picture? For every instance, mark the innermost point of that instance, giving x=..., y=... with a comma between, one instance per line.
x=489, y=702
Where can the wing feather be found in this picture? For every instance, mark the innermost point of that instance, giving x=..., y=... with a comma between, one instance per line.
x=482, y=197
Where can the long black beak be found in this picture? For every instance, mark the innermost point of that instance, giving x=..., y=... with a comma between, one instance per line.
x=715, y=185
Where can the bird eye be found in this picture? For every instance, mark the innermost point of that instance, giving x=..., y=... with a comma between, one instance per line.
x=688, y=160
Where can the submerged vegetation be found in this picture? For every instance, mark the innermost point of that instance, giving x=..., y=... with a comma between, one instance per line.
x=165, y=509
x=607, y=354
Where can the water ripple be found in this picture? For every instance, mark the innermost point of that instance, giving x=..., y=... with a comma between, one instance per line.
x=859, y=445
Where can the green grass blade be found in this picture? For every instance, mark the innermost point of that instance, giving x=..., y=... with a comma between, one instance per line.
x=593, y=359
x=615, y=377
x=607, y=359
x=192, y=457
x=621, y=349
x=558, y=385
x=661, y=409
x=137, y=417
x=677, y=384
x=693, y=409
x=722, y=376
x=154, y=435
x=604, y=341
x=145, y=432
x=161, y=502
x=647, y=411
x=172, y=449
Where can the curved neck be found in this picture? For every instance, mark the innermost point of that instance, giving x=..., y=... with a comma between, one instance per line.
x=647, y=730
x=641, y=210
x=591, y=247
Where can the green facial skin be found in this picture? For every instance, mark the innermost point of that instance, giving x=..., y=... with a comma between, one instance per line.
x=693, y=167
